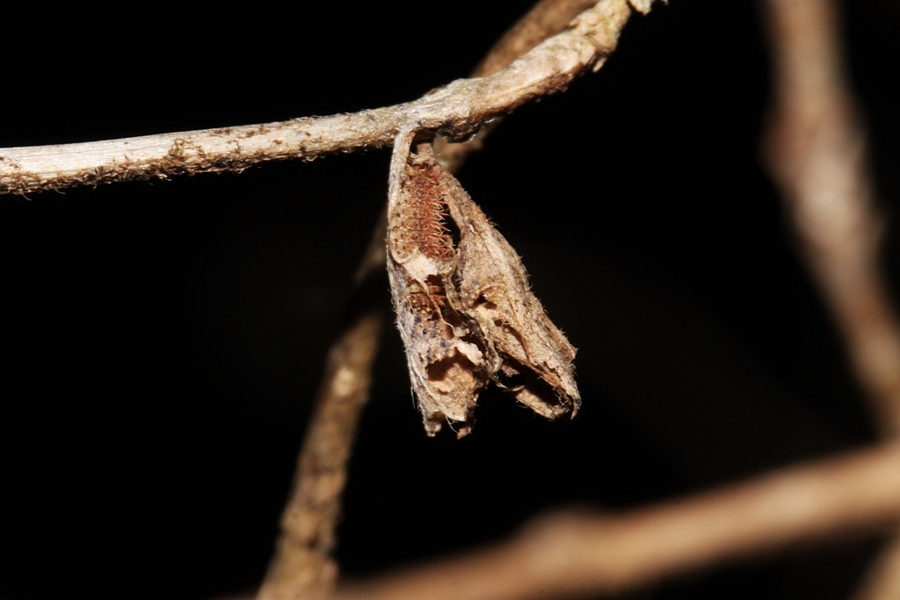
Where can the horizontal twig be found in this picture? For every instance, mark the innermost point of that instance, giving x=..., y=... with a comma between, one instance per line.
x=456, y=110
x=572, y=554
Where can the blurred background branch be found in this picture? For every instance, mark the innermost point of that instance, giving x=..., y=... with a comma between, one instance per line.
x=817, y=151
x=303, y=565
x=582, y=555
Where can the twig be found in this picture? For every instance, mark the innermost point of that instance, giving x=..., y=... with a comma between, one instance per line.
x=573, y=555
x=303, y=558
x=817, y=153
x=456, y=110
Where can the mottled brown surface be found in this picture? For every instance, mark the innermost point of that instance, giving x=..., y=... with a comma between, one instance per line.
x=465, y=311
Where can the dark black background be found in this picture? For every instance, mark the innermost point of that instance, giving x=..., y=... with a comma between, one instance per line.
x=161, y=342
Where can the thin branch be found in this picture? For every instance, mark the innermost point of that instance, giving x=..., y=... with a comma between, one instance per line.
x=816, y=150
x=303, y=557
x=572, y=555
x=456, y=110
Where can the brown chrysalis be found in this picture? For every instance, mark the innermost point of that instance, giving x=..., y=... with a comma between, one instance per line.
x=464, y=308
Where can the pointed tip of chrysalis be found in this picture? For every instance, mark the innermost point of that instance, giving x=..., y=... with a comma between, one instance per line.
x=642, y=6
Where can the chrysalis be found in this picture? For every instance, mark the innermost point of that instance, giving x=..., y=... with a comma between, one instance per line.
x=464, y=308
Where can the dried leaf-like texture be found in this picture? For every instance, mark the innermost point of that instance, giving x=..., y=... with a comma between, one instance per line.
x=464, y=308
x=536, y=358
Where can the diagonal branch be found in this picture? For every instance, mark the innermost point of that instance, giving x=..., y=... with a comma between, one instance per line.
x=817, y=152
x=577, y=555
x=455, y=110
x=303, y=555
